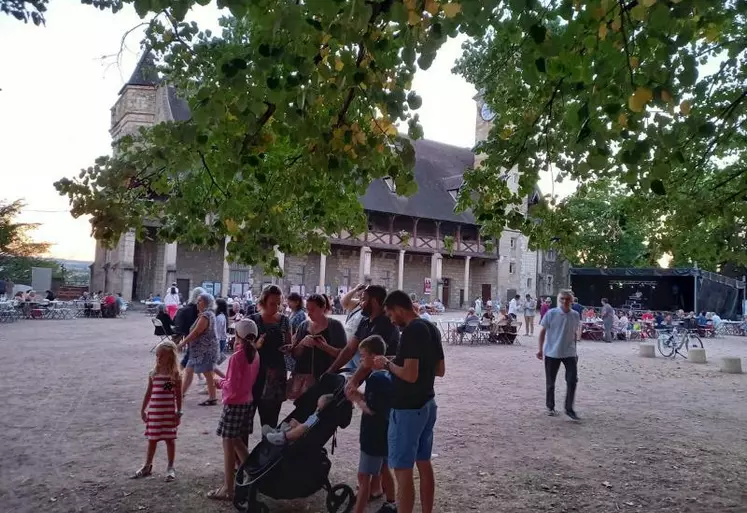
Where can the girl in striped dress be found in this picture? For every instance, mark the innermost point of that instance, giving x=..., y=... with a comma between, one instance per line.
x=162, y=408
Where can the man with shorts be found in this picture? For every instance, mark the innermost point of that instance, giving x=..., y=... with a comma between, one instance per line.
x=420, y=358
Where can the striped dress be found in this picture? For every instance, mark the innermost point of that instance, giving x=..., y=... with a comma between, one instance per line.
x=161, y=423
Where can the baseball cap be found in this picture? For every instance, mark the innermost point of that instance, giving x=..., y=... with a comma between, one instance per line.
x=246, y=327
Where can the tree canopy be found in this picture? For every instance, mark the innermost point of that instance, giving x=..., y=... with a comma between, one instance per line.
x=599, y=226
x=18, y=252
x=294, y=107
x=648, y=93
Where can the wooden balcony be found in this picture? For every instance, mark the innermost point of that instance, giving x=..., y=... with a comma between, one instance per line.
x=418, y=244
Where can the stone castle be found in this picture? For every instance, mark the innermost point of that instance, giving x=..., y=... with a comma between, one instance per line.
x=405, y=245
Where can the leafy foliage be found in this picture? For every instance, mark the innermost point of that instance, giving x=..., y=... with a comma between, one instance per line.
x=14, y=237
x=294, y=109
x=18, y=253
x=33, y=10
x=594, y=228
x=648, y=93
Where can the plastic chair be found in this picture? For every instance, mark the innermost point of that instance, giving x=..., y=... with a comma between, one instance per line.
x=159, y=328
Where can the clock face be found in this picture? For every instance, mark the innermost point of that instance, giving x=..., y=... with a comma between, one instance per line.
x=486, y=113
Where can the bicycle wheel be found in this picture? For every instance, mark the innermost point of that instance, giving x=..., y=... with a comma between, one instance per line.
x=667, y=345
x=694, y=341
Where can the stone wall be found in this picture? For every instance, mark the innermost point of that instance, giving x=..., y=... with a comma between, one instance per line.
x=417, y=269
x=198, y=265
x=135, y=107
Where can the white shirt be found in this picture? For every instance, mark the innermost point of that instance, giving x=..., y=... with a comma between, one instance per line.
x=560, y=333
x=171, y=299
x=513, y=307
x=248, y=295
x=489, y=304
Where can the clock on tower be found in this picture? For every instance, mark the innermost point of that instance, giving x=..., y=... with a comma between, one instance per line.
x=486, y=112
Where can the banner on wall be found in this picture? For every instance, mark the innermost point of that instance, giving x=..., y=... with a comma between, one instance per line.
x=427, y=286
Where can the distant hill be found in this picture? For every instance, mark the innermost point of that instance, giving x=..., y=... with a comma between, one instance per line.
x=73, y=264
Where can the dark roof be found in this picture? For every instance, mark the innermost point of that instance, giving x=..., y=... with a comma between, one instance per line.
x=179, y=108
x=145, y=74
x=438, y=169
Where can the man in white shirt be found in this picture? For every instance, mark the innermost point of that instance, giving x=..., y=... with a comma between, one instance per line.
x=514, y=306
x=560, y=328
x=248, y=295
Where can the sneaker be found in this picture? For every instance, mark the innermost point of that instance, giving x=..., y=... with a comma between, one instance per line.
x=267, y=429
x=284, y=426
x=387, y=507
x=276, y=438
x=551, y=413
x=572, y=415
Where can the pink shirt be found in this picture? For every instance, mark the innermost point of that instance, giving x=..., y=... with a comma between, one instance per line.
x=236, y=387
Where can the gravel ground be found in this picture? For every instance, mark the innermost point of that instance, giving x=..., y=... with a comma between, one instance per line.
x=657, y=435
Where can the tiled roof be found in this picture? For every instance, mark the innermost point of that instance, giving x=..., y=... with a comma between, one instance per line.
x=438, y=169
x=145, y=74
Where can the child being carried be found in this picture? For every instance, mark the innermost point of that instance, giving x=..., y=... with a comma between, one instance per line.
x=294, y=430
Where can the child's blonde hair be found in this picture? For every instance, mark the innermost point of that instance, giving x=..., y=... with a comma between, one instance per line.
x=172, y=365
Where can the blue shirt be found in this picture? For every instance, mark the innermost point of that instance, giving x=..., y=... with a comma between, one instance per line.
x=560, y=333
x=577, y=308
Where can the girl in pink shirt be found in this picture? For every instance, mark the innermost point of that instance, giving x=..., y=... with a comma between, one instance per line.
x=236, y=420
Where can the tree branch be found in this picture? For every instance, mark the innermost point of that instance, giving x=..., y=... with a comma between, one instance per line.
x=212, y=178
x=250, y=137
x=625, y=43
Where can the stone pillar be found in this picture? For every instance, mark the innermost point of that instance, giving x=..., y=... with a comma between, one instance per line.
x=170, y=258
x=322, y=272
x=281, y=263
x=467, y=298
x=364, y=268
x=159, y=271
x=436, y=267
x=401, y=270
x=225, y=281
x=127, y=264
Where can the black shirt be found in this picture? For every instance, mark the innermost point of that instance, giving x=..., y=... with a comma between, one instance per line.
x=420, y=340
x=314, y=360
x=381, y=326
x=270, y=356
x=184, y=319
x=374, y=428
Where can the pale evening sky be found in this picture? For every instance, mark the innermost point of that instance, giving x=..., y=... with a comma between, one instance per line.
x=56, y=92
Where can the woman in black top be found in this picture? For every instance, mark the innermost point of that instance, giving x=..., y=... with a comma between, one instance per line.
x=274, y=334
x=318, y=340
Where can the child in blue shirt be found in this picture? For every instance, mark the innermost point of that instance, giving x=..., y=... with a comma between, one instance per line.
x=375, y=403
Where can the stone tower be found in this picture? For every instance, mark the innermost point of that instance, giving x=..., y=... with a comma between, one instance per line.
x=517, y=265
x=114, y=269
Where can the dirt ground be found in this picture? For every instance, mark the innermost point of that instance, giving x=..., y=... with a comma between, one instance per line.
x=657, y=435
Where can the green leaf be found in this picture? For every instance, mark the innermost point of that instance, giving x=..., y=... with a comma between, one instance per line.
x=657, y=187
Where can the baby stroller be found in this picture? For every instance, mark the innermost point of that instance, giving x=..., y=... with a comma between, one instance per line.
x=301, y=468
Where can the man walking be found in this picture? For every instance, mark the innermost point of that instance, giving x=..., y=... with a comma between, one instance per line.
x=420, y=358
x=608, y=317
x=514, y=306
x=559, y=331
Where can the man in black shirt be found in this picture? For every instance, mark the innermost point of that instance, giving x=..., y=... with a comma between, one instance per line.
x=420, y=358
x=374, y=322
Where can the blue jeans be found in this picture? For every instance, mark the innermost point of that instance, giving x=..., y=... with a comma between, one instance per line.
x=223, y=345
x=411, y=435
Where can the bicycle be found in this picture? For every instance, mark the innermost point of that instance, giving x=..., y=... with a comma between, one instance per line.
x=670, y=344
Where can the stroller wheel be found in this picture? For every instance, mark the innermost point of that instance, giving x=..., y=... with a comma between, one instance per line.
x=340, y=499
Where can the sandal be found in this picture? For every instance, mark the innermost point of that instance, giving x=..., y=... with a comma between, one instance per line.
x=170, y=474
x=144, y=471
x=208, y=402
x=219, y=494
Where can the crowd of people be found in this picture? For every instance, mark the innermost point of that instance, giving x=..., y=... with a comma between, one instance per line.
x=281, y=351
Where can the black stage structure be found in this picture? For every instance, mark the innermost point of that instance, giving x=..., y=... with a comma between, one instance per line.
x=659, y=289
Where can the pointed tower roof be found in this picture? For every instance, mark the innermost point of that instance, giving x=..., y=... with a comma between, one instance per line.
x=145, y=74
